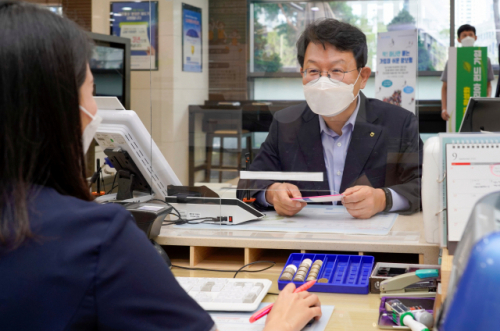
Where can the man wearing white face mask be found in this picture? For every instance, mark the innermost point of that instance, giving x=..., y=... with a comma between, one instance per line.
x=466, y=36
x=368, y=150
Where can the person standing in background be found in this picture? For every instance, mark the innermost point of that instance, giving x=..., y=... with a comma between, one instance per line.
x=466, y=36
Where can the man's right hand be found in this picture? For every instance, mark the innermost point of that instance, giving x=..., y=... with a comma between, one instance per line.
x=279, y=194
x=445, y=115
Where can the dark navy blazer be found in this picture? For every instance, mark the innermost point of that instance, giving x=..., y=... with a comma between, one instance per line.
x=89, y=267
x=385, y=151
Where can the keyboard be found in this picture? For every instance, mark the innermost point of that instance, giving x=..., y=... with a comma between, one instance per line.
x=226, y=294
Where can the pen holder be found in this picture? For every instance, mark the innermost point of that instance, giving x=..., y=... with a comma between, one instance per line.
x=338, y=273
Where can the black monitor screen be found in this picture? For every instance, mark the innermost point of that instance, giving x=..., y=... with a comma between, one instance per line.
x=106, y=65
x=482, y=115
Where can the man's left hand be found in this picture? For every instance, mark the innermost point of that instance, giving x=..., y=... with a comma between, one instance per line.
x=364, y=201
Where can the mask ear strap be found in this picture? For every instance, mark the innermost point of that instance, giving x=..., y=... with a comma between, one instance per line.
x=355, y=84
x=359, y=74
x=87, y=112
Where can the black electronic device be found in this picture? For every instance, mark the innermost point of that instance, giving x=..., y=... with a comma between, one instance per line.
x=149, y=218
x=110, y=66
x=201, y=202
x=497, y=93
x=130, y=177
x=191, y=191
x=482, y=114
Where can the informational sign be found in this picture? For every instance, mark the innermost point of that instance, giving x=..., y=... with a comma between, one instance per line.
x=396, y=75
x=467, y=77
x=191, y=39
x=138, y=21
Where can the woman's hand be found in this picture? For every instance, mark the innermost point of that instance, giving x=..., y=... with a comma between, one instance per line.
x=292, y=311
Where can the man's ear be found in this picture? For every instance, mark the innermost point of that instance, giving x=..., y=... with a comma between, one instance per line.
x=459, y=40
x=365, y=75
x=475, y=37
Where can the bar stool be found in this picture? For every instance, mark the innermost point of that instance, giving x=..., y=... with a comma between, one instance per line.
x=227, y=123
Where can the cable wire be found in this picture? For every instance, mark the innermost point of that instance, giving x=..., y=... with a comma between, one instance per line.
x=102, y=180
x=181, y=221
x=113, y=185
x=178, y=213
x=235, y=271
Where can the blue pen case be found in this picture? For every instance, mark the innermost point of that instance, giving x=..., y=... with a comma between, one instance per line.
x=339, y=273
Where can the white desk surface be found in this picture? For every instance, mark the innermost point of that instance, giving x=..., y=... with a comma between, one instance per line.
x=353, y=312
x=406, y=236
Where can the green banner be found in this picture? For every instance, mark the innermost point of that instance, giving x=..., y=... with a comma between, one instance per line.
x=472, y=78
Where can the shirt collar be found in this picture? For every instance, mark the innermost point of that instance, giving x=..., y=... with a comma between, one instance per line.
x=349, y=125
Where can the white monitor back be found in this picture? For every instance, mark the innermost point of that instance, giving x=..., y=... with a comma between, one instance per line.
x=124, y=129
x=108, y=103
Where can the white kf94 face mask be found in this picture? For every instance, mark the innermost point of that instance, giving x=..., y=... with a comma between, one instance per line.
x=468, y=42
x=90, y=130
x=329, y=98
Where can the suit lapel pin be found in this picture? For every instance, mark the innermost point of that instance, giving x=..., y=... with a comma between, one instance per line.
x=372, y=134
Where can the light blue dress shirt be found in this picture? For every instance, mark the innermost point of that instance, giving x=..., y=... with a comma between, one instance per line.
x=335, y=151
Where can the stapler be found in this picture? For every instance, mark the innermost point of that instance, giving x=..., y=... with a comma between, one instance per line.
x=421, y=283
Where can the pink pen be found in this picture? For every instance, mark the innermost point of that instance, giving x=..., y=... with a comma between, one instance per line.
x=264, y=311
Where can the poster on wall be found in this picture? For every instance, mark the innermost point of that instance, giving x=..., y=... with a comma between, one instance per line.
x=191, y=39
x=396, y=75
x=467, y=77
x=138, y=21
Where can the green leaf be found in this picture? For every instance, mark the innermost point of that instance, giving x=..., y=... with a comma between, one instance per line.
x=467, y=66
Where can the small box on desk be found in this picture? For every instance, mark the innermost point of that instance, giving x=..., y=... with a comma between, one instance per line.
x=337, y=273
x=384, y=270
x=385, y=320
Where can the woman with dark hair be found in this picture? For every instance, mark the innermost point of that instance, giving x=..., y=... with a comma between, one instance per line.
x=67, y=262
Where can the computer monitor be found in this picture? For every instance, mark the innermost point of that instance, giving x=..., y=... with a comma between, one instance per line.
x=110, y=66
x=123, y=130
x=482, y=114
x=129, y=146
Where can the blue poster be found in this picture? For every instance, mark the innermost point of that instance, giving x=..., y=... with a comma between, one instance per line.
x=191, y=39
x=138, y=21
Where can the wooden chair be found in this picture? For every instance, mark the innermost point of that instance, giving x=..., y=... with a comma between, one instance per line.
x=226, y=123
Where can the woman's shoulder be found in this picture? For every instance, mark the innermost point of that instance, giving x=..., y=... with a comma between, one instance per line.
x=48, y=195
x=50, y=208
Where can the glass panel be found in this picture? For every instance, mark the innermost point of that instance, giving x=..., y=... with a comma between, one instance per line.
x=482, y=16
x=327, y=147
x=277, y=26
x=278, y=135
x=428, y=88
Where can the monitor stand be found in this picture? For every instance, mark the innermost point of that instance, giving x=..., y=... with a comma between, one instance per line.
x=125, y=185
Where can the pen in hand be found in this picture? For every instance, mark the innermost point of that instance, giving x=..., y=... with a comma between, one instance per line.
x=264, y=311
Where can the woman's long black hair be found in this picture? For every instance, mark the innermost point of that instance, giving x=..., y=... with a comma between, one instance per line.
x=43, y=63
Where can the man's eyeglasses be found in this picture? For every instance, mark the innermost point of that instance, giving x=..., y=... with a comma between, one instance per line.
x=335, y=75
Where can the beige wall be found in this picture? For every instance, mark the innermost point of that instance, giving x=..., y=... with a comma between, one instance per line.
x=161, y=98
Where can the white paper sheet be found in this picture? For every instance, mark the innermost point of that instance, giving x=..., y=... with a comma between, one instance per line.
x=228, y=321
x=313, y=219
x=282, y=176
x=320, y=198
